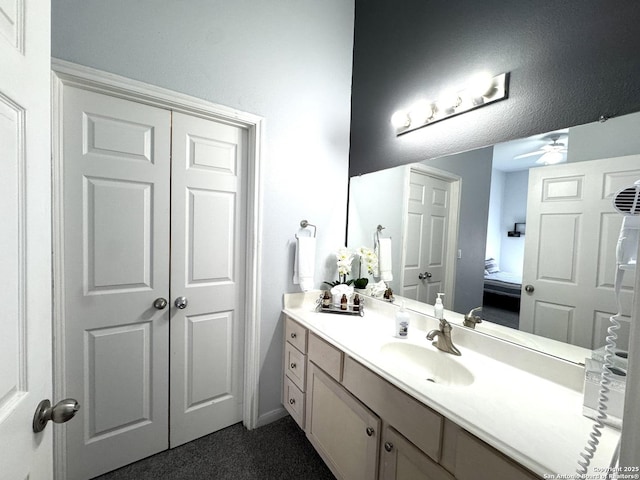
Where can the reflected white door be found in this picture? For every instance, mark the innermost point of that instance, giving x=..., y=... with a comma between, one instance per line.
x=570, y=251
x=25, y=237
x=116, y=249
x=426, y=231
x=207, y=268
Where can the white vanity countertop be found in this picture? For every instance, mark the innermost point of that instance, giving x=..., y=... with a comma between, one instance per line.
x=532, y=417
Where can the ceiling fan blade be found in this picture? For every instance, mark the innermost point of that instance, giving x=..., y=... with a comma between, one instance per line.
x=530, y=154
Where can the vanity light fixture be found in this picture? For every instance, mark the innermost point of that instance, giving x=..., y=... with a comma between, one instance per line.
x=482, y=90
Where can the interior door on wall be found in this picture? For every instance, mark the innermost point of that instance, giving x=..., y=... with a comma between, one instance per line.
x=207, y=269
x=570, y=251
x=116, y=249
x=25, y=237
x=426, y=233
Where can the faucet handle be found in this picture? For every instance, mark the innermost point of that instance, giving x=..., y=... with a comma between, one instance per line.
x=471, y=319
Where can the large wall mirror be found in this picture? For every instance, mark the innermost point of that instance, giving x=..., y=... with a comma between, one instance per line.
x=526, y=230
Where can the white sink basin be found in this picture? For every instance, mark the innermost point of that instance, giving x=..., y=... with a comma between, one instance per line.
x=429, y=364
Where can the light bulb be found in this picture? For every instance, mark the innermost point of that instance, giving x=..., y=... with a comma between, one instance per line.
x=448, y=102
x=420, y=112
x=400, y=119
x=551, y=158
x=481, y=85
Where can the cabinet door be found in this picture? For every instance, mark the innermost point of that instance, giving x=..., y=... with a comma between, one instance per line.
x=401, y=460
x=475, y=460
x=343, y=431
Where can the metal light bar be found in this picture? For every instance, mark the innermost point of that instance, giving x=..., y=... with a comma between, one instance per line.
x=481, y=92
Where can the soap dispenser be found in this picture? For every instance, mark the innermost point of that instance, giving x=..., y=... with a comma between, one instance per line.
x=402, y=322
x=438, y=308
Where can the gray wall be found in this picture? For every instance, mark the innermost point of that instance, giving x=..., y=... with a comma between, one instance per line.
x=570, y=62
x=288, y=61
x=377, y=198
x=616, y=137
x=474, y=168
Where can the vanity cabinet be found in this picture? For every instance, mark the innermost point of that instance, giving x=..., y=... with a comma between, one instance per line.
x=401, y=460
x=472, y=459
x=364, y=427
x=343, y=431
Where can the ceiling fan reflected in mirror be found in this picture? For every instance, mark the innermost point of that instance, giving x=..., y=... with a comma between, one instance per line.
x=554, y=152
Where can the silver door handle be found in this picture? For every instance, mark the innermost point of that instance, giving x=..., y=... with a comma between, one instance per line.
x=181, y=302
x=61, y=412
x=529, y=288
x=160, y=303
x=424, y=275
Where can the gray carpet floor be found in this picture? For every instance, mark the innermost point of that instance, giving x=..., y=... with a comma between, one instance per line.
x=278, y=451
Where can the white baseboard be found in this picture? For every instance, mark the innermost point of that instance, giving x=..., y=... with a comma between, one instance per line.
x=272, y=416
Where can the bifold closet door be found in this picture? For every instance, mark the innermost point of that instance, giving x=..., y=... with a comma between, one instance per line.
x=208, y=230
x=116, y=171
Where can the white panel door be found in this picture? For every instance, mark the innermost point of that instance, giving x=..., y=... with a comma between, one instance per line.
x=25, y=237
x=208, y=233
x=570, y=251
x=116, y=247
x=426, y=233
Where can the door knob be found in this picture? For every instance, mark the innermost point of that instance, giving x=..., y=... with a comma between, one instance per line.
x=529, y=288
x=388, y=446
x=424, y=275
x=61, y=412
x=181, y=302
x=160, y=303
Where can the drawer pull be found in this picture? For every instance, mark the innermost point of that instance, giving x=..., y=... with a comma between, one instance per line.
x=370, y=431
x=292, y=366
x=388, y=446
x=293, y=335
x=292, y=401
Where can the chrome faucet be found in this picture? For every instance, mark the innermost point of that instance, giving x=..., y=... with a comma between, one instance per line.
x=443, y=342
x=471, y=319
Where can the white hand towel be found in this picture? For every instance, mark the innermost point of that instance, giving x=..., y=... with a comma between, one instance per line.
x=384, y=259
x=305, y=263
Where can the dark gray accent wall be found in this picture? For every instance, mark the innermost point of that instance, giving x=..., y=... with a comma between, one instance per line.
x=570, y=62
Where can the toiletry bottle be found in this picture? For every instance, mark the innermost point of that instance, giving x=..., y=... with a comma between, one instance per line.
x=343, y=302
x=326, y=299
x=438, y=308
x=356, y=303
x=402, y=322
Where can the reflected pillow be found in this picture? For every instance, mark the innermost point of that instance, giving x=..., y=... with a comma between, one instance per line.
x=491, y=266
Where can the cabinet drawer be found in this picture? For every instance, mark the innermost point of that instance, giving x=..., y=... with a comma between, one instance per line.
x=326, y=356
x=295, y=365
x=295, y=334
x=293, y=400
x=475, y=460
x=415, y=421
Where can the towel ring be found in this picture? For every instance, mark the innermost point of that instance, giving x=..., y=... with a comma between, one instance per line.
x=305, y=224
